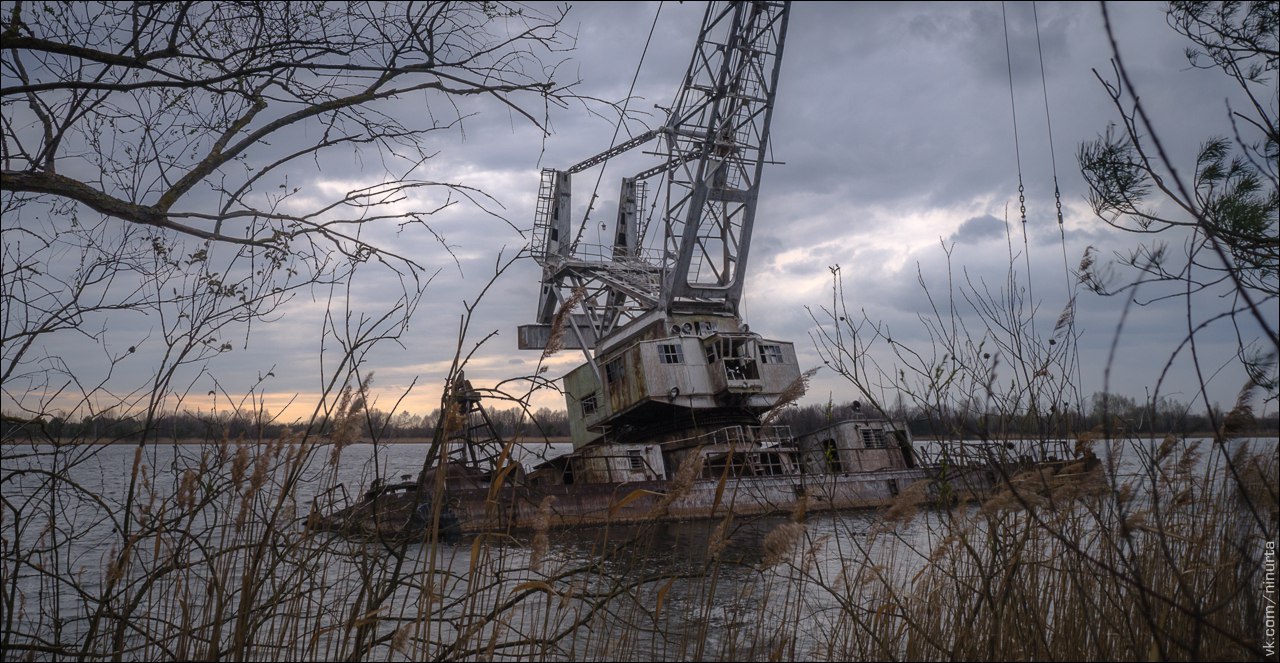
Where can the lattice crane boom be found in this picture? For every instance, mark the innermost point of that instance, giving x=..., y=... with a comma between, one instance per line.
x=713, y=148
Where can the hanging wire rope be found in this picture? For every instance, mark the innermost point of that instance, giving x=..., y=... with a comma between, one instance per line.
x=1013, y=107
x=1032, y=384
x=613, y=142
x=1057, y=199
x=1044, y=86
x=1017, y=150
x=1053, y=157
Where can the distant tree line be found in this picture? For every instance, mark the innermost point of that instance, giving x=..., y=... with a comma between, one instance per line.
x=1114, y=412
x=203, y=426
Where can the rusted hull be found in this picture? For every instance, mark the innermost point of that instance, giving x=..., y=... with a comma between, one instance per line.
x=515, y=508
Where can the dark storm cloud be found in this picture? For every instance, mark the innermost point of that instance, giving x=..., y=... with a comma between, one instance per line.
x=978, y=228
x=896, y=126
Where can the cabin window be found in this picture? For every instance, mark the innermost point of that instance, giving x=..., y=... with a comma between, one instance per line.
x=636, y=458
x=590, y=405
x=770, y=354
x=613, y=371
x=874, y=438
x=670, y=353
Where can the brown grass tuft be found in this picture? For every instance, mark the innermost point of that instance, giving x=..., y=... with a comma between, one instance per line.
x=781, y=542
x=556, y=341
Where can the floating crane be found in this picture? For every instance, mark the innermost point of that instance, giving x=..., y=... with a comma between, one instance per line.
x=668, y=356
x=665, y=413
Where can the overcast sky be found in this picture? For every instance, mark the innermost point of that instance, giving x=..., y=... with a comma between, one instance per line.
x=895, y=127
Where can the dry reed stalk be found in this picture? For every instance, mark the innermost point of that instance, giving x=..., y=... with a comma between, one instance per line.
x=781, y=542
x=719, y=539
x=688, y=472
x=541, y=523
x=555, y=341
x=790, y=394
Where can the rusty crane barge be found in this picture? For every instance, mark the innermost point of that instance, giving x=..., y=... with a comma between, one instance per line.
x=666, y=411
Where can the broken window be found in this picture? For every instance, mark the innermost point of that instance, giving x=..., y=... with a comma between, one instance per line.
x=739, y=359
x=613, y=371
x=590, y=405
x=770, y=463
x=725, y=464
x=770, y=353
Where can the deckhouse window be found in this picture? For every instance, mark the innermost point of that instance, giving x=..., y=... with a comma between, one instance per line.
x=770, y=353
x=874, y=438
x=613, y=371
x=670, y=353
x=589, y=405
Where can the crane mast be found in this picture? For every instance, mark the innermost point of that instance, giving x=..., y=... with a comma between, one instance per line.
x=717, y=139
x=666, y=291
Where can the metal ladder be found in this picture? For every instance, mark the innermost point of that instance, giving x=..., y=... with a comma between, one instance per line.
x=542, y=215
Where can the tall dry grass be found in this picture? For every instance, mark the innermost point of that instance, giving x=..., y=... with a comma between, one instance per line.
x=1162, y=564
x=202, y=553
x=1153, y=553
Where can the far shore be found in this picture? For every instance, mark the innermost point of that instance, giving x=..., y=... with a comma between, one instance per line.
x=322, y=441
x=1274, y=435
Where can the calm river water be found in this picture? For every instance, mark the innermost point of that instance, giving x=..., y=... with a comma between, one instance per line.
x=706, y=590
